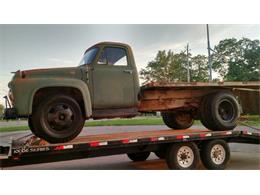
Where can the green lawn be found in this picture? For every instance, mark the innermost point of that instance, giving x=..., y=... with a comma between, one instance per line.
x=253, y=120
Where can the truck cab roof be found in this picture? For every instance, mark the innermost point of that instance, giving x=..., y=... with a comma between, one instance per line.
x=110, y=43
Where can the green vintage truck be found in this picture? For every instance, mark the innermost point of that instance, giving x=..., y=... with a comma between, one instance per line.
x=105, y=85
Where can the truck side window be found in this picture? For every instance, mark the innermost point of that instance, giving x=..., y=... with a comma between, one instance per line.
x=113, y=56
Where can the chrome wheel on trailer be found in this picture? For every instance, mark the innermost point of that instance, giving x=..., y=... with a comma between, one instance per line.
x=218, y=154
x=183, y=156
x=215, y=154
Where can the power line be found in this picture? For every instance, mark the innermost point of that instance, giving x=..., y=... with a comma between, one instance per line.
x=188, y=63
x=209, y=55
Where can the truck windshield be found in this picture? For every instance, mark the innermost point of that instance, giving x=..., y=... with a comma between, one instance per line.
x=89, y=56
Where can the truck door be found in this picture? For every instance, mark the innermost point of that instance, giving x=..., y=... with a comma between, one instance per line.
x=112, y=78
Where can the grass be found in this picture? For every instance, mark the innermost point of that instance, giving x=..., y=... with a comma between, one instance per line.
x=253, y=120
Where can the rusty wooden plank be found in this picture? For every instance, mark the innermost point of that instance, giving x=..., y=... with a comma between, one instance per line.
x=166, y=104
x=174, y=94
x=245, y=84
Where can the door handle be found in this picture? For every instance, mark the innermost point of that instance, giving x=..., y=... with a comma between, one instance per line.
x=128, y=71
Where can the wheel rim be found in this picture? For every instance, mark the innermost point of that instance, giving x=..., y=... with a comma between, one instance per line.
x=60, y=116
x=183, y=118
x=185, y=156
x=226, y=110
x=218, y=154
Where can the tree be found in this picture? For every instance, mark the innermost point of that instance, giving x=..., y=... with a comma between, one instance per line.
x=166, y=67
x=237, y=60
x=199, y=68
x=172, y=67
x=1, y=109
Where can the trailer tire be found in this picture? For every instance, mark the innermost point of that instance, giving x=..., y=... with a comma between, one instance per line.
x=58, y=119
x=137, y=157
x=183, y=156
x=177, y=120
x=161, y=153
x=220, y=111
x=215, y=154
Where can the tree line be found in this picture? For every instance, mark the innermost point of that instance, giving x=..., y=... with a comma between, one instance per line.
x=233, y=60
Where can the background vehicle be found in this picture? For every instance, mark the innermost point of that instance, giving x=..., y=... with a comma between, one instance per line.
x=105, y=85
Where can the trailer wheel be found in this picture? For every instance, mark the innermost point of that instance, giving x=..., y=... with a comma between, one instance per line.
x=220, y=111
x=183, y=156
x=140, y=156
x=58, y=119
x=177, y=120
x=215, y=154
x=161, y=153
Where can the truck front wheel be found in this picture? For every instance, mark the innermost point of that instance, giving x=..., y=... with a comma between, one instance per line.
x=30, y=124
x=58, y=119
x=177, y=120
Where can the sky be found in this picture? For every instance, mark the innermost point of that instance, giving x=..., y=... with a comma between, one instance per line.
x=43, y=46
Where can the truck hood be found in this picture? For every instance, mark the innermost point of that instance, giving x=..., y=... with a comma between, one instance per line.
x=68, y=72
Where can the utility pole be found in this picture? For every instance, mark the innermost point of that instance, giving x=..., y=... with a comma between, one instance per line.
x=209, y=55
x=188, y=64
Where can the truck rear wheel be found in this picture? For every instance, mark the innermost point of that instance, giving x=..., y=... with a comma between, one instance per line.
x=219, y=111
x=58, y=119
x=183, y=156
x=177, y=120
x=215, y=154
x=140, y=156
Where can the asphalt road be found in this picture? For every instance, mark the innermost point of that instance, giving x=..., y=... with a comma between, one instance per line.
x=243, y=156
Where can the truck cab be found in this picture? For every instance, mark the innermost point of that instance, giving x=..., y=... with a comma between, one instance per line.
x=112, y=79
x=57, y=101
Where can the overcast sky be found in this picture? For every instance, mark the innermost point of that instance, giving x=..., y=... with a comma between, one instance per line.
x=38, y=46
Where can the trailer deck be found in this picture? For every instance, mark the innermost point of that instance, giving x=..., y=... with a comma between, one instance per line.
x=30, y=150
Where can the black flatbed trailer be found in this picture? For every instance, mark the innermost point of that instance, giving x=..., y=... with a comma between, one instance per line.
x=182, y=149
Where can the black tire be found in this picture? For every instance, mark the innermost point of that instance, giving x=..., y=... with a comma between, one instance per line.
x=140, y=156
x=220, y=157
x=30, y=124
x=58, y=119
x=220, y=111
x=177, y=120
x=203, y=111
x=183, y=156
x=161, y=153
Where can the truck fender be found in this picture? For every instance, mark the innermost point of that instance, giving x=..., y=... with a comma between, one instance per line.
x=64, y=82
